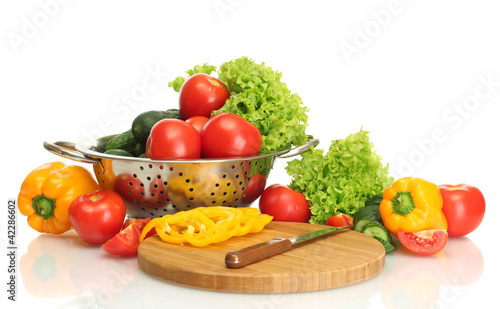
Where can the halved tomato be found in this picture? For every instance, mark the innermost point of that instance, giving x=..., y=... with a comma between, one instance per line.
x=123, y=243
x=340, y=220
x=427, y=242
x=140, y=224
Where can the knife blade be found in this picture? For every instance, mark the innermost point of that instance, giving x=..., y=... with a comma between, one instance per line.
x=259, y=252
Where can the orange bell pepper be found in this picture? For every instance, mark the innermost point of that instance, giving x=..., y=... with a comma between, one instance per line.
x=412, y=205
x=48, y=191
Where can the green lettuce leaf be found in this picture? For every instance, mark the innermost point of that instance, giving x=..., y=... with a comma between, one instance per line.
x=341, y=180
x=180, y=80
x=259, y=96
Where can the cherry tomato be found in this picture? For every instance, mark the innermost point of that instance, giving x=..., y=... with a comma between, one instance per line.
x=97, y=216
x=427, y=242
x=200, y=95
x=173, y=139
x=254, y=188
x=340, y=220
x=229, y=135
x=124, y=243
x=464, y=207
x=284, y=204
x=197, y=122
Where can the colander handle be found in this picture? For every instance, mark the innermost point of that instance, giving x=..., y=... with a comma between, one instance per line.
x=68, y=150
x=300, y=149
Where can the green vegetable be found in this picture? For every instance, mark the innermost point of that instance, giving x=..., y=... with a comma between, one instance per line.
x=374, y=200
x=370, y=211
x=180, y=80
x=124, y=141
x=142, y=124
x=359, y=226
x=139, y=150
x=259, y=96
x=102, y=142
x=387, y=245
x=366, y=215
x=369, y=221
x=342, y=180
x=118, y=152
x=375, y=229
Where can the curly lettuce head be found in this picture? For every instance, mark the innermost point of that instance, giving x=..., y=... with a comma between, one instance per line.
x=341, y=180
x=259, y=96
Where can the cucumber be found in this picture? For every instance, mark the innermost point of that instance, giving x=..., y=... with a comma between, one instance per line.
x=118, y=152
x=139, y=150
x=173, y=113
x=387, y=245
x=125, y=141
x=369, y=221
x=375, y=229
x=142, y=124
x=371, y=212
x=374, y=200
x=102, y=142
x=360, y=224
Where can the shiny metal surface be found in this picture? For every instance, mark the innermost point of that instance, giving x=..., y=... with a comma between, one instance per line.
x=152, y=188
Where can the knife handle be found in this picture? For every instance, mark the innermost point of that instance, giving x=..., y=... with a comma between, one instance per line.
x=257, y=252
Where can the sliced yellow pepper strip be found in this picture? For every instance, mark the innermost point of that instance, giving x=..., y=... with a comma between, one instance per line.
x=206, y=225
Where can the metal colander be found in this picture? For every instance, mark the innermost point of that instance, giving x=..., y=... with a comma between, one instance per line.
x=153, y=188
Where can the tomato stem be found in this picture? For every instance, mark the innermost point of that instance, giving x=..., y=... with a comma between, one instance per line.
x=402, y=203
x=94, y=198
x=44, y=206
x=214, y=82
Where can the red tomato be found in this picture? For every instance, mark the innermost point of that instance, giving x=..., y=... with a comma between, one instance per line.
x=464, y=207
x=123, y=243
x=284, y=204
x=200, y=95
x=140, y=224
x=129, y=188
x=157, y=193
x=229, y=135
x=197, y=122
x=425, y=242
x=173, y=139
x=340, y=220
x=254, y=188
x=97, y=216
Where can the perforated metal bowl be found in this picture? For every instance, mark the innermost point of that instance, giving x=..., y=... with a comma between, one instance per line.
x=153, y=188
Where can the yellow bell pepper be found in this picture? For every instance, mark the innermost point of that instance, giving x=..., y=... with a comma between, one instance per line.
x=48, y=191
x=412, y=205
x=206, y=225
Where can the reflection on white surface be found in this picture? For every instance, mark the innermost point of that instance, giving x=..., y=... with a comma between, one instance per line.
x=57, y=266
x=73, y=274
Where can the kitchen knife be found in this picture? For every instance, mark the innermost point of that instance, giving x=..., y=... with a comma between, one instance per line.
x=273, y=247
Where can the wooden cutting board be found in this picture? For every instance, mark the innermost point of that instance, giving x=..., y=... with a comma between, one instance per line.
x=343, y=258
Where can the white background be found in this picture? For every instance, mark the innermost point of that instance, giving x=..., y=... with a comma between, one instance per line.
x=422, y=76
